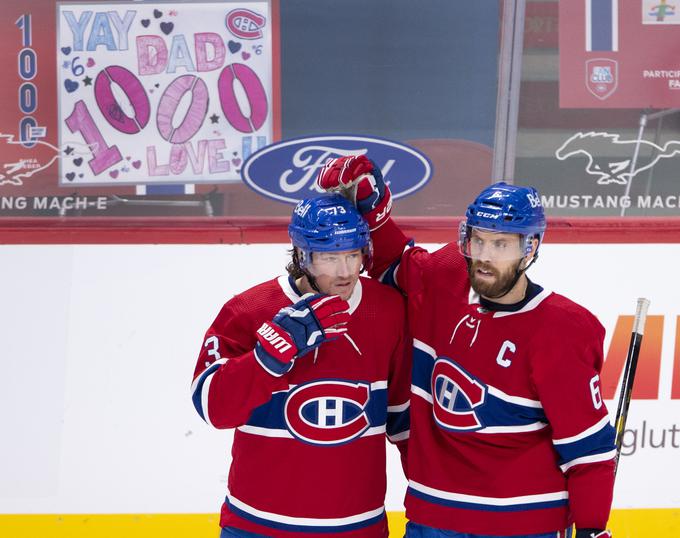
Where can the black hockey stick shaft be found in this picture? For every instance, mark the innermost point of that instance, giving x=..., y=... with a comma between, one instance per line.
x=629, y=372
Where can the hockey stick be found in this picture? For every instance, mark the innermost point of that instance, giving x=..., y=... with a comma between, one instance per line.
x=629, y=373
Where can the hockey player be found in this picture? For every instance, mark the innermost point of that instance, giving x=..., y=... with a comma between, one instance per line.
x=509, y=433
x=311, y=369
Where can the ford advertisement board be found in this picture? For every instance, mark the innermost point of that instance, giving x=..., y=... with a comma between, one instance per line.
x=287, y=171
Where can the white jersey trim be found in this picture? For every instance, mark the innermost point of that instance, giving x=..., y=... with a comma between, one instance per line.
x=589, y=459
x=527, y=307
x=495, y=501
x=398, y=408
x=526, y=402
x=585, y=433
x=534, y=426
x=422, y=346
x=354, y=299
x=285, y=434
x=205, y=389
x=305, y=521
x=422, y=393
x=399, y=436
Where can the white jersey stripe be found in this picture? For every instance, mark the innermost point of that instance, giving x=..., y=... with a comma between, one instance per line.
x=422, y=346
x=398, y=408
x=420, y=392
x=285, y=434
x=305, y=521
x=585, y=433
x=494, y=501
x=399, y=436
x=526, y=402
x=534, y=426
x=589, y=459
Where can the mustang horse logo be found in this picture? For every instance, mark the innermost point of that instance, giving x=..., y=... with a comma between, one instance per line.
x=613, y=171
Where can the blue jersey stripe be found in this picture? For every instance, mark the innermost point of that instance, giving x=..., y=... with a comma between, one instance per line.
x=271, y=414
x=398, y=422
x=599, y=442
x=196, y=397
x=494, y=412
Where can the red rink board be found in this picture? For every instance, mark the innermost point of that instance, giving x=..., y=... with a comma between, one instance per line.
x=32, y=231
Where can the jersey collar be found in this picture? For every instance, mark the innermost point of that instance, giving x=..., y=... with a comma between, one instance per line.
x=290, y=289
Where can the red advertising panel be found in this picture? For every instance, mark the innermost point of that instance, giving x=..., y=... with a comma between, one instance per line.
x=619, y=54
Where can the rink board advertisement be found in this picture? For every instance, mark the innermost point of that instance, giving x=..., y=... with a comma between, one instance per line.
x=119, y=94
x=619, y=54
x=109, y=427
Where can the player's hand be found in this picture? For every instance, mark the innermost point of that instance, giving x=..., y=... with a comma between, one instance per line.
x=373, y=196
x=298, y=329
x=592, y=533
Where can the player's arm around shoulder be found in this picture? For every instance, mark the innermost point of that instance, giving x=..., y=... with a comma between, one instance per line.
x=566, y=374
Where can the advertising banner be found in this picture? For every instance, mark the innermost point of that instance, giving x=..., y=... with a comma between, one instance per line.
x=619, y=54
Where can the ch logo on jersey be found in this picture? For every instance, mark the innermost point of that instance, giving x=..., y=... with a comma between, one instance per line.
x=455, y=395
x=328, y=412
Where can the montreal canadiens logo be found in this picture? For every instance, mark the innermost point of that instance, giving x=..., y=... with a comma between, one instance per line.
x=245, y=24
x=327, y=412
x=287, y=171
x=455, y=395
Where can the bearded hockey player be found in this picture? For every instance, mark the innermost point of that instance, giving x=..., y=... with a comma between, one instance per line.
x=312, y=369
x=509, y=433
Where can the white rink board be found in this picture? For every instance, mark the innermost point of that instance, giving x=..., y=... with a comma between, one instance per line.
x=99, y=344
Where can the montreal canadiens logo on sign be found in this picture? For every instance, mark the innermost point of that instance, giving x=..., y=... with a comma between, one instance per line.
x=327, y=412
x=245, y=24
x=455, y=395
x=287, y=171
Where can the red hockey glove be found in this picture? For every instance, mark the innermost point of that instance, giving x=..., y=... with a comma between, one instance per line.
x=592, y=533
x=298, y=329
x=373, y=196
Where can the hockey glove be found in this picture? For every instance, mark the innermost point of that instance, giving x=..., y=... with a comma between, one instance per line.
x=373, y=196
x=592, y=533
x=298, y=329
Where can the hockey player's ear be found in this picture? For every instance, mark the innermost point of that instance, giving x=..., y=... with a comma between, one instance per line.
x=533, y=254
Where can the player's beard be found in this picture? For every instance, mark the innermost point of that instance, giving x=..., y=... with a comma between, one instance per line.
x=502, y=283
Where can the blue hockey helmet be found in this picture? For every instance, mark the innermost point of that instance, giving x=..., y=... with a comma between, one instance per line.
x=328, y=223
x=505, y=208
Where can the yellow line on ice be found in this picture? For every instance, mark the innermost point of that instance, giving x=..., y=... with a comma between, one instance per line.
x=660, y=523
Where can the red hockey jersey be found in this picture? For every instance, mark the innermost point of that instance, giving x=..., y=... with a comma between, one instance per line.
x=509, y=433
x=309, y=446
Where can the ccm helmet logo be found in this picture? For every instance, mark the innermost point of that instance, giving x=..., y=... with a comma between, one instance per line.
x=455, y=395
x=327, y=412
x=287, y=171
x=486, y=215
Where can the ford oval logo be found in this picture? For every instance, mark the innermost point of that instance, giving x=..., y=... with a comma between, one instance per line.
x=287, y=171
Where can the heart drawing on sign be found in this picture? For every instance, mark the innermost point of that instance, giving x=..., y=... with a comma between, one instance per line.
x=70, y=85
x=234, y=46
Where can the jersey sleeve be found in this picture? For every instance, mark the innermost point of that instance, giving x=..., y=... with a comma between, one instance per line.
x=229, y=383
x=410, y=269
x=399, y=392
x=567, y=378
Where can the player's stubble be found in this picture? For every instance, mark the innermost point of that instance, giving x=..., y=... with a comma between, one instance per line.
x=494, y=285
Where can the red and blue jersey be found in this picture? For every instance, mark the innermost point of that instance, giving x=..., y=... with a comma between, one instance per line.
x=309, y=446
x=509, y=433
